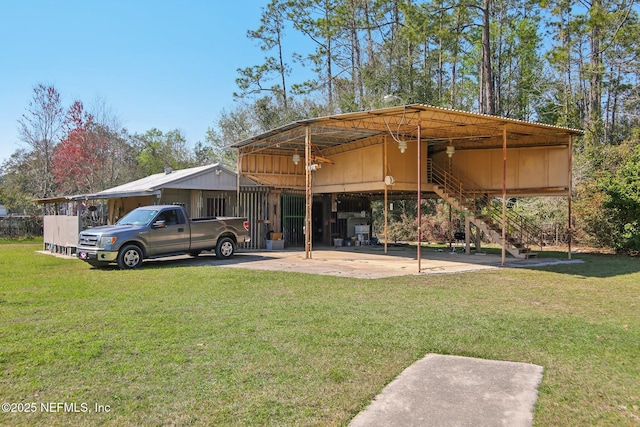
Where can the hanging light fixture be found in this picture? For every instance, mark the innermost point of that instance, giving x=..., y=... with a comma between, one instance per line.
x=402, y=145
x=450, y=150
x=296, y=159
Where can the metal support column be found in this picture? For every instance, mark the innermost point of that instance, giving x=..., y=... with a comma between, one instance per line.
x=237, y=210
x=386, y=196
x=467, y=235
x=309, y=195
x=504, y=192
x=419, y=196
x=569, y=233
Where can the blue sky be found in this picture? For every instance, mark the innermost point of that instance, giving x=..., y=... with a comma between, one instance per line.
x=164, y=64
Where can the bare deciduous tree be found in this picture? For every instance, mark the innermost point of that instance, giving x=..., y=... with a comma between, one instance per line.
x=40, y=129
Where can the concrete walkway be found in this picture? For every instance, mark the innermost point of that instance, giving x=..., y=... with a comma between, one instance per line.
x=456, y=391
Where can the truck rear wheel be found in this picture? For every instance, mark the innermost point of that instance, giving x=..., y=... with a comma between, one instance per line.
x=225, y=248
x=129, y=257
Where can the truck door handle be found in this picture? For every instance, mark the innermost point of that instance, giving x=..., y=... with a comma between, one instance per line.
x=180, y=230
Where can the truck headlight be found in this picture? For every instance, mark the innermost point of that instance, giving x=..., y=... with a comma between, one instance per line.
x=107, y=241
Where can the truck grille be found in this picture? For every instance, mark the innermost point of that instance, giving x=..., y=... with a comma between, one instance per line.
x=88, y=239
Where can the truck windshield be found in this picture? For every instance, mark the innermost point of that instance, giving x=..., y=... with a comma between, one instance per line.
x=138, y=217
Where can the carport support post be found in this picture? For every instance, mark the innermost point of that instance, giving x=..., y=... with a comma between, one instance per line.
x=79, y=218
x=467, y=235
x=237, y=209
x=386, y=195
x=569, y=234
x=504, y=191
x=309, y=195
x=419, y=195
x=450, y=231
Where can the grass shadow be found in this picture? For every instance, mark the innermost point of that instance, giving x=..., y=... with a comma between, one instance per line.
x=596, y=265
x=204, y=259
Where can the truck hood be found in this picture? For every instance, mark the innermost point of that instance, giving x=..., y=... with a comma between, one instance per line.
x=110, y=229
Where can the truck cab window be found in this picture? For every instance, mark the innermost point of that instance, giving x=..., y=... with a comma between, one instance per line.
x=170, y=217
x=181, y=218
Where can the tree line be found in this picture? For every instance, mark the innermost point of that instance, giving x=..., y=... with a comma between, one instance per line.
x=76, y=149
x=558, y=62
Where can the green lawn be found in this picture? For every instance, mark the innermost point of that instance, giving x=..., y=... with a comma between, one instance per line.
x=203, y=345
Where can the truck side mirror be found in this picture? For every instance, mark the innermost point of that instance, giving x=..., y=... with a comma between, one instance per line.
x=158, y=224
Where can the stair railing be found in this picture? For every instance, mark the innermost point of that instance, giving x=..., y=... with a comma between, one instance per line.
x=476, y=200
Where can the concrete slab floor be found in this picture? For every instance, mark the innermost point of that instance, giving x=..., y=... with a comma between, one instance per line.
x=365, y=262
x=370, y=262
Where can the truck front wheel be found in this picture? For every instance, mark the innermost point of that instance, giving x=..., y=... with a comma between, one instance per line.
x=225, y=248
x=129, y=257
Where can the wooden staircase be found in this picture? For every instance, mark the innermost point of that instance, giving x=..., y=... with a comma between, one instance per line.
x=485, y=213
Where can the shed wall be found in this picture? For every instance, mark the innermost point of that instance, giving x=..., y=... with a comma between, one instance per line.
x=539, y=170
x=364, y=169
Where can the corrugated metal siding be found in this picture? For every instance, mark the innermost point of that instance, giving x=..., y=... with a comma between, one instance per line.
x=255, y=206
x=216, y=204
x=219, y=203
x=196, y=204
x=172, y=196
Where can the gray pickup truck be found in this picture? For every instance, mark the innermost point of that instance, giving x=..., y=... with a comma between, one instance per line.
x=157, y=231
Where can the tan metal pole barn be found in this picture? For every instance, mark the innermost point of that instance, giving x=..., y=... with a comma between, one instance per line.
x=351, y=146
